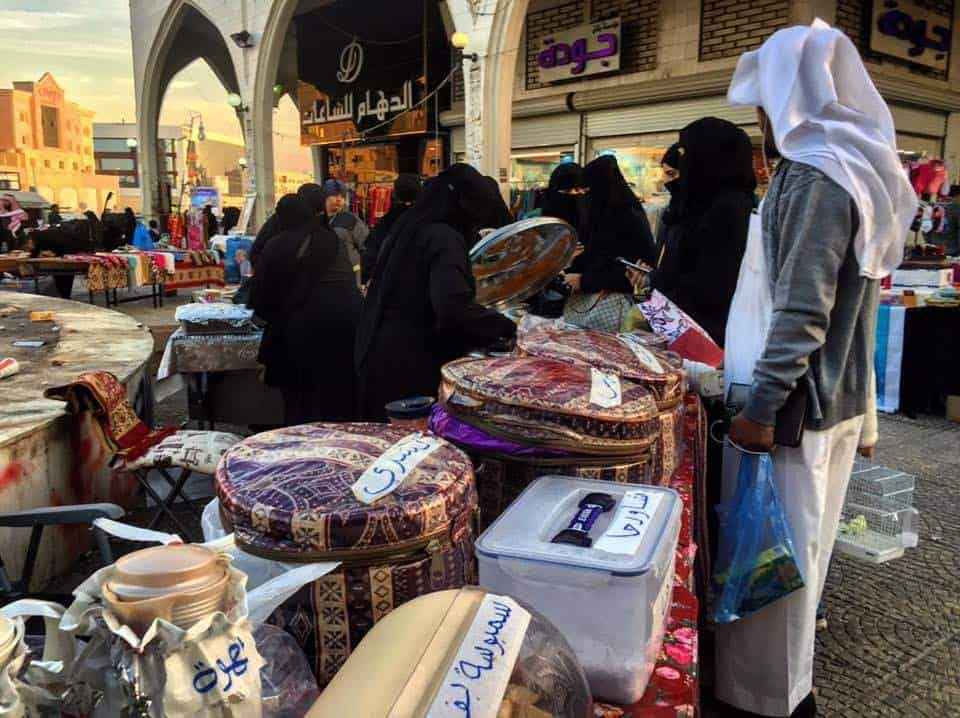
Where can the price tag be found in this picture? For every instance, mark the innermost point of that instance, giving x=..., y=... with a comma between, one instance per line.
x=630, y=524
x=393, y=467
x=477, y=679
x=643, y=355
x=605, y=389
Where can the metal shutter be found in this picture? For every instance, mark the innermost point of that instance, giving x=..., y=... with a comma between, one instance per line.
x=919, y=122
x=664, y=116
x=549, y=131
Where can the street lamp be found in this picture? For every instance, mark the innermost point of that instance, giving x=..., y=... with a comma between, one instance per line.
x=236, y=102
x=242, y=162
x=460, y=40
x=132, y=143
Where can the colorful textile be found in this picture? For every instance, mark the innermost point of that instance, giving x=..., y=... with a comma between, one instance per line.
x=198, y=451
x=888, y=356
x=121, y=429
x=687, y=338
x=104, y=271
x=196, y=271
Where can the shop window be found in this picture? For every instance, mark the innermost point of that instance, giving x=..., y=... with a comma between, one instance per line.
x=640, y=165
x=110, y=144
x=46, y=164
x=50, y=123
x=116, y=163
x=129, y=181
x=60, y=164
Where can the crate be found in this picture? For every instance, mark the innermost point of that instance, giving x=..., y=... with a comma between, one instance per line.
x=876, y=528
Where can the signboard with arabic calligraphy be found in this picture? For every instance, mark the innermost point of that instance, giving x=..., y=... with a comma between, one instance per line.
x=362, y=70
x=579, y=52
x=904, y=29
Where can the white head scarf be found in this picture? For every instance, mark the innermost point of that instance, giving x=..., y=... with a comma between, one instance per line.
x=826, y=112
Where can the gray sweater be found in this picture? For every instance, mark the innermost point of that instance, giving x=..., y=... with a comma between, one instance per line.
x=824, y=312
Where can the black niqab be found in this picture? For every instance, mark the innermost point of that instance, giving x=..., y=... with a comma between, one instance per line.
x=312, y=194
x=608, y=188
x=459, y=197
x=292, y=212
x=570, y=208
x=717, y=155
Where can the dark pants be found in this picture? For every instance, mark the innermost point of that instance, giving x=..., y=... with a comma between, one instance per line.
x=64, y=285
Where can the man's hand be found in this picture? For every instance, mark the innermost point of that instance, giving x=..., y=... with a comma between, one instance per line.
x=751, y=435
x=866, y=452
x=573, y=281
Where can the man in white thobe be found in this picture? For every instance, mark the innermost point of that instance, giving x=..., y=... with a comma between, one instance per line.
x=834, y=222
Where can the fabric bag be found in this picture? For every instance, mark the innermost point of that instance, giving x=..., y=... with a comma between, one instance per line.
x=756, y=561
x=604, y=312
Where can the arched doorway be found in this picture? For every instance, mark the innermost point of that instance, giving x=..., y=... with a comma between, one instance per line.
x=293, y=164
x=187, y=35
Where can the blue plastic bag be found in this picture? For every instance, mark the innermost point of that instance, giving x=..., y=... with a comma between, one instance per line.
x=756, y=562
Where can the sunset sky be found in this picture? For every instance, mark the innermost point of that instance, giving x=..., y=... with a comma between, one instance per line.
x=85, y=44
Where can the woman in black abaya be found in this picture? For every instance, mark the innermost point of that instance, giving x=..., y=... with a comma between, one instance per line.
x=421, y=309
x=304, y=288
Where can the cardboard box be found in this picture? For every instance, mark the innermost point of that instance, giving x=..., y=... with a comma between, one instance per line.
x=953, y=408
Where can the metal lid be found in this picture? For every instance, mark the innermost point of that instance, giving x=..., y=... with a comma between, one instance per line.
x=412, y=408
x=515, y=262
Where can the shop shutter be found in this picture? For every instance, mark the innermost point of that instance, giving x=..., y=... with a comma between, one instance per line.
x=912, y=121
x=549, y=131
x=458, y=140
x=915, y=143
x=664, y=116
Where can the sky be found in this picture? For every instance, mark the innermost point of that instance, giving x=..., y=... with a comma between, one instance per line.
x=86, y=45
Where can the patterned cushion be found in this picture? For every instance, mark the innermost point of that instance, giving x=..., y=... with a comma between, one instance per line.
x=198, y=451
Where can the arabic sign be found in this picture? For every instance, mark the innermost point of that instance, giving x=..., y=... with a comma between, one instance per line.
x=581, y=51
x=349, y=86
x=630, y=524
x=393, y=467
x=903, y=29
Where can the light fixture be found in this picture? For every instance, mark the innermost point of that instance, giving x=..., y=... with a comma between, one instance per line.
x=278, y=90
x=242, y=39
x=236, y=102
x=132, y=143
x=242, y=162
x=201, y=132
x=460, y=41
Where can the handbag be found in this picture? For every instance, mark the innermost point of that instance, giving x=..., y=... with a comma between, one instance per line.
x=604, y=311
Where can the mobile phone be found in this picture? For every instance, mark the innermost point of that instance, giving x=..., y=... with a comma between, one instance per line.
x=632, y=265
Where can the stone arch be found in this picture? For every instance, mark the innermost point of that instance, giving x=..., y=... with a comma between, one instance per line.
x=272, y=44
x=186, y=34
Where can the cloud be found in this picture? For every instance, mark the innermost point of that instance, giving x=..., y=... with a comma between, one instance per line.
x=20, y=20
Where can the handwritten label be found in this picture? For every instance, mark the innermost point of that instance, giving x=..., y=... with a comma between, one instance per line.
x=605, y=389
x=477, y=679
x=634, y=515
x=393, y=467
x=580, y=51
x=222, y=668
x=643, y=355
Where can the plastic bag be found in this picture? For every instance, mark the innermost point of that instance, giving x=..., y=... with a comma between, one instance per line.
x=756, y=562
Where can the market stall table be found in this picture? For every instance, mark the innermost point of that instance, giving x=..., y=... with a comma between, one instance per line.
x=222, y=375
x=48, y=457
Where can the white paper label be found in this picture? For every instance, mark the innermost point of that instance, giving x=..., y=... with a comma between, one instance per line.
x=220, y=669
x=605, y=389
x=643, y=355
x=393, y=467
x=634, y=515
x=477, y=679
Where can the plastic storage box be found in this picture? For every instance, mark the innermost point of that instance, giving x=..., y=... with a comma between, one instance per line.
x=607, y=586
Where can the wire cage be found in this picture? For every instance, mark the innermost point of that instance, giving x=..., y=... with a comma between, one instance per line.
x=875, y=528
x=882, y=481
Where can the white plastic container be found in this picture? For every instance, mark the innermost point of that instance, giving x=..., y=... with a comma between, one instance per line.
x=610, y=600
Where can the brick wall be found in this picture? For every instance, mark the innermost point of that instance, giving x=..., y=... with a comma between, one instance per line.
x=855, y=16
x=543, y=23
x=730, y=27
x=640, y=24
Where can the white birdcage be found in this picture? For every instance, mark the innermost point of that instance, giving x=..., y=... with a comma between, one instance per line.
x=878, y=521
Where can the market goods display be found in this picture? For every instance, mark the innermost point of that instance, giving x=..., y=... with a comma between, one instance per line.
x=330, y=493
x=552, y=405
x=624, y=354
x=215, y=318
x=606, y=551
x=428, y=660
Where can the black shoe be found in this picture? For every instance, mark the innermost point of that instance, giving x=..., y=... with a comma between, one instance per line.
x=806, y=709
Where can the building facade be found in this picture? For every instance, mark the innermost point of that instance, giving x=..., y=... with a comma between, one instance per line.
x=115, y=154
x=649, y=67
x=46, y=144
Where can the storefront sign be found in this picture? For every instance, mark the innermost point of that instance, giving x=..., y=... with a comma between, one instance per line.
x=202, y=196
x=903, y=29
x=584, y=50
x=362, y=70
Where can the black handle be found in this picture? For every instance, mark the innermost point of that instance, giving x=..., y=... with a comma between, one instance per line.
x=590, y=508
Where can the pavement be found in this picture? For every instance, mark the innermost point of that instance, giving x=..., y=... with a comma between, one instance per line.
x=891, y=647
